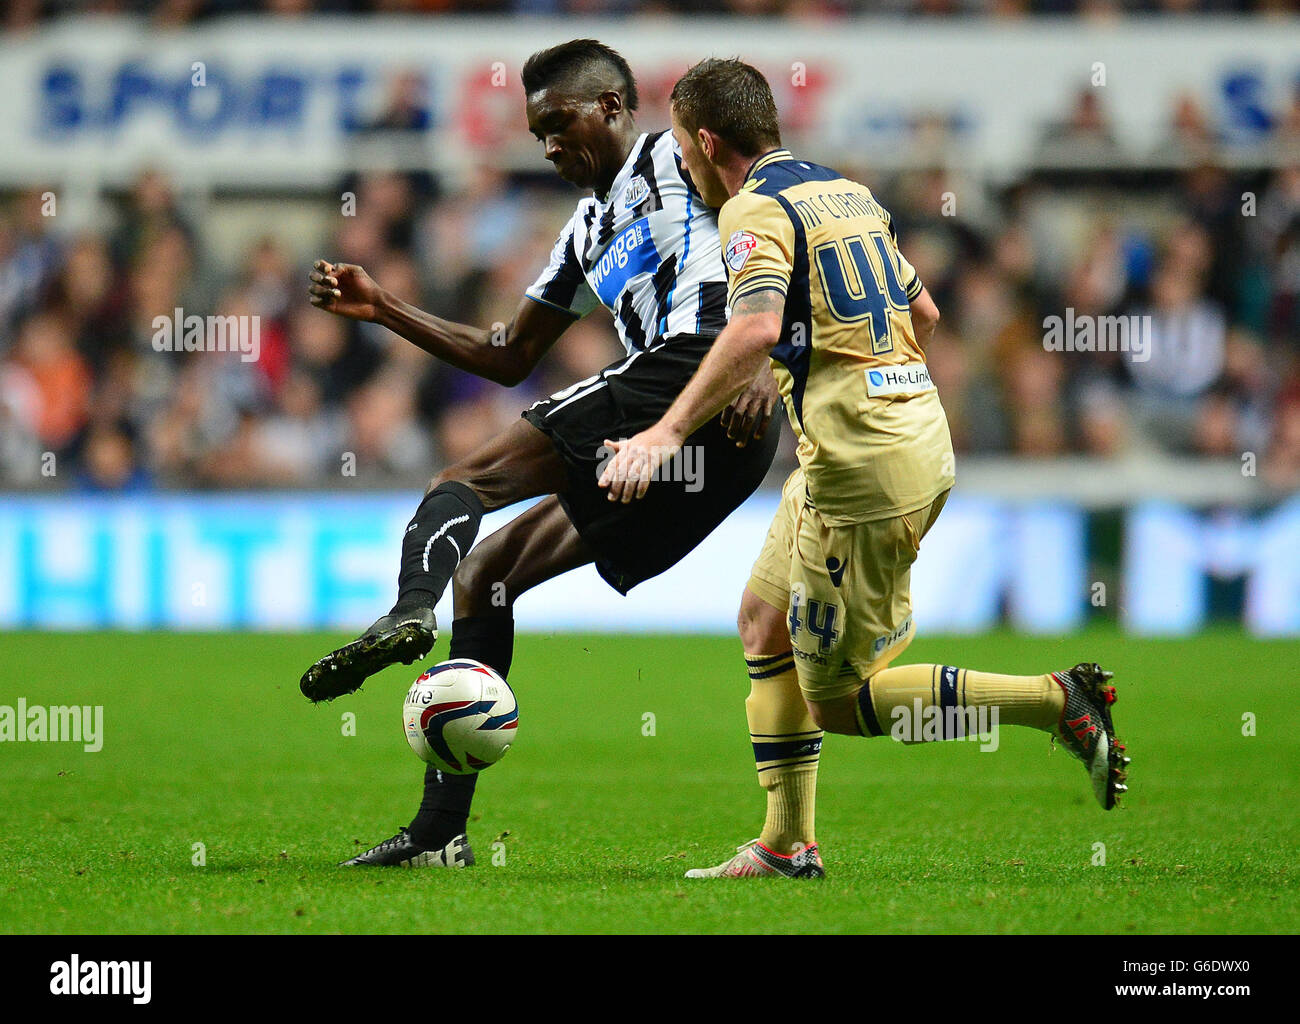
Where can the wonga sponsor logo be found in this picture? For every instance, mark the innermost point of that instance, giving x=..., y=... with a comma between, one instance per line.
x=631, y=253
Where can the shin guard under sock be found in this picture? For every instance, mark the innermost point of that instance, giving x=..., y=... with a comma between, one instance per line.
x=439, y=535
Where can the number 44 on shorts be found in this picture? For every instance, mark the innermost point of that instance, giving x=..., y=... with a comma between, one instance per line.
x=819, y=621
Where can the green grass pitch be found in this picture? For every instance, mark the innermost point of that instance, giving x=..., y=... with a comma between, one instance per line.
x=592, y=823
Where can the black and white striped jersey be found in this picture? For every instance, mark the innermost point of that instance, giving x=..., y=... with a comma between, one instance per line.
x=649, y=251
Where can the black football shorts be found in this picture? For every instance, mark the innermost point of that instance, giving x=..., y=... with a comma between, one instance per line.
x=694, y=493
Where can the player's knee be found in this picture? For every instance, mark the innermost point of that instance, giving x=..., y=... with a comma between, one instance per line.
x=453, y=474
x=837, y=716
x=762, y=628
x=743, y=627
x=438, y=481
x=482, y=583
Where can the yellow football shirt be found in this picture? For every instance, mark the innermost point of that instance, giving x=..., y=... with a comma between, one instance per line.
x=873, y=438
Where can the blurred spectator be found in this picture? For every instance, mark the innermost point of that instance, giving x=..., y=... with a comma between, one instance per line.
x=383, y=432
x=1034, y=379
x=1191, y=137
x=28, y=258
x=1186, y=334
x=21, y=16
x=406, y=107
x=149, y=212
x=303, y=440
x=20, y=449
x=1282, y=464
x=109, y=460
x=58, y=378
x=1083, y=138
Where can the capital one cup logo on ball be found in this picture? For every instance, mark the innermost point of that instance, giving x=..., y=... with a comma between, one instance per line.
x=460, y=717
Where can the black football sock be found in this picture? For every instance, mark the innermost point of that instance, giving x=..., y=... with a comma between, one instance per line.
x=444, y=811
x=439, y=536
x=486, y=638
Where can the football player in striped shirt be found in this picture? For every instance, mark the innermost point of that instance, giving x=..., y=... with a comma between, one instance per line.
x=817, y=283
x=644, y=245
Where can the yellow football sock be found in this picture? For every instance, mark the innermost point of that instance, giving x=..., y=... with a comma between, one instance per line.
x=889, y=702
x=787, y=745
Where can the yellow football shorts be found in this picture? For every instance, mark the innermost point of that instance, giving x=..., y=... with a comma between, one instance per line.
x=847, y=589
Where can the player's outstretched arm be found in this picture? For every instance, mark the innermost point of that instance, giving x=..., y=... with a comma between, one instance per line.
x=506, y=356
x=733, y=362
x=925, y=317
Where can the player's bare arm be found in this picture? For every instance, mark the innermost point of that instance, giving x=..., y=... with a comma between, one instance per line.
x=505, y=356
x=735, y=359
x=925, y=317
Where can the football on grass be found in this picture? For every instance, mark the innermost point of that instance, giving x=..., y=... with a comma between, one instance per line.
x=460, y=716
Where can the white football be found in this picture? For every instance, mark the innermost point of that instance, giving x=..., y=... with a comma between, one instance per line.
x=460, y=716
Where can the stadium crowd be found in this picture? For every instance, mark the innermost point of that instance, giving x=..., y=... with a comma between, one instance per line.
x=1211, y=255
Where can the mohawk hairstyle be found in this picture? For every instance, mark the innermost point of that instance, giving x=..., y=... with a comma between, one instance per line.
x=575, y=64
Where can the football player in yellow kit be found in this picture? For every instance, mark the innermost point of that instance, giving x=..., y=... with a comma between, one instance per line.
x=817, y=283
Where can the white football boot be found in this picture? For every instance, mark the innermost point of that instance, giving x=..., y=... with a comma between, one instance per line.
x=754, y=860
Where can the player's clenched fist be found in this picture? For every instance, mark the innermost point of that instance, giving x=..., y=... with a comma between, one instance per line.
x=345, y=289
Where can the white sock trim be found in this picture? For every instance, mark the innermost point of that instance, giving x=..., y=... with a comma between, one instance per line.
x=441, y=530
